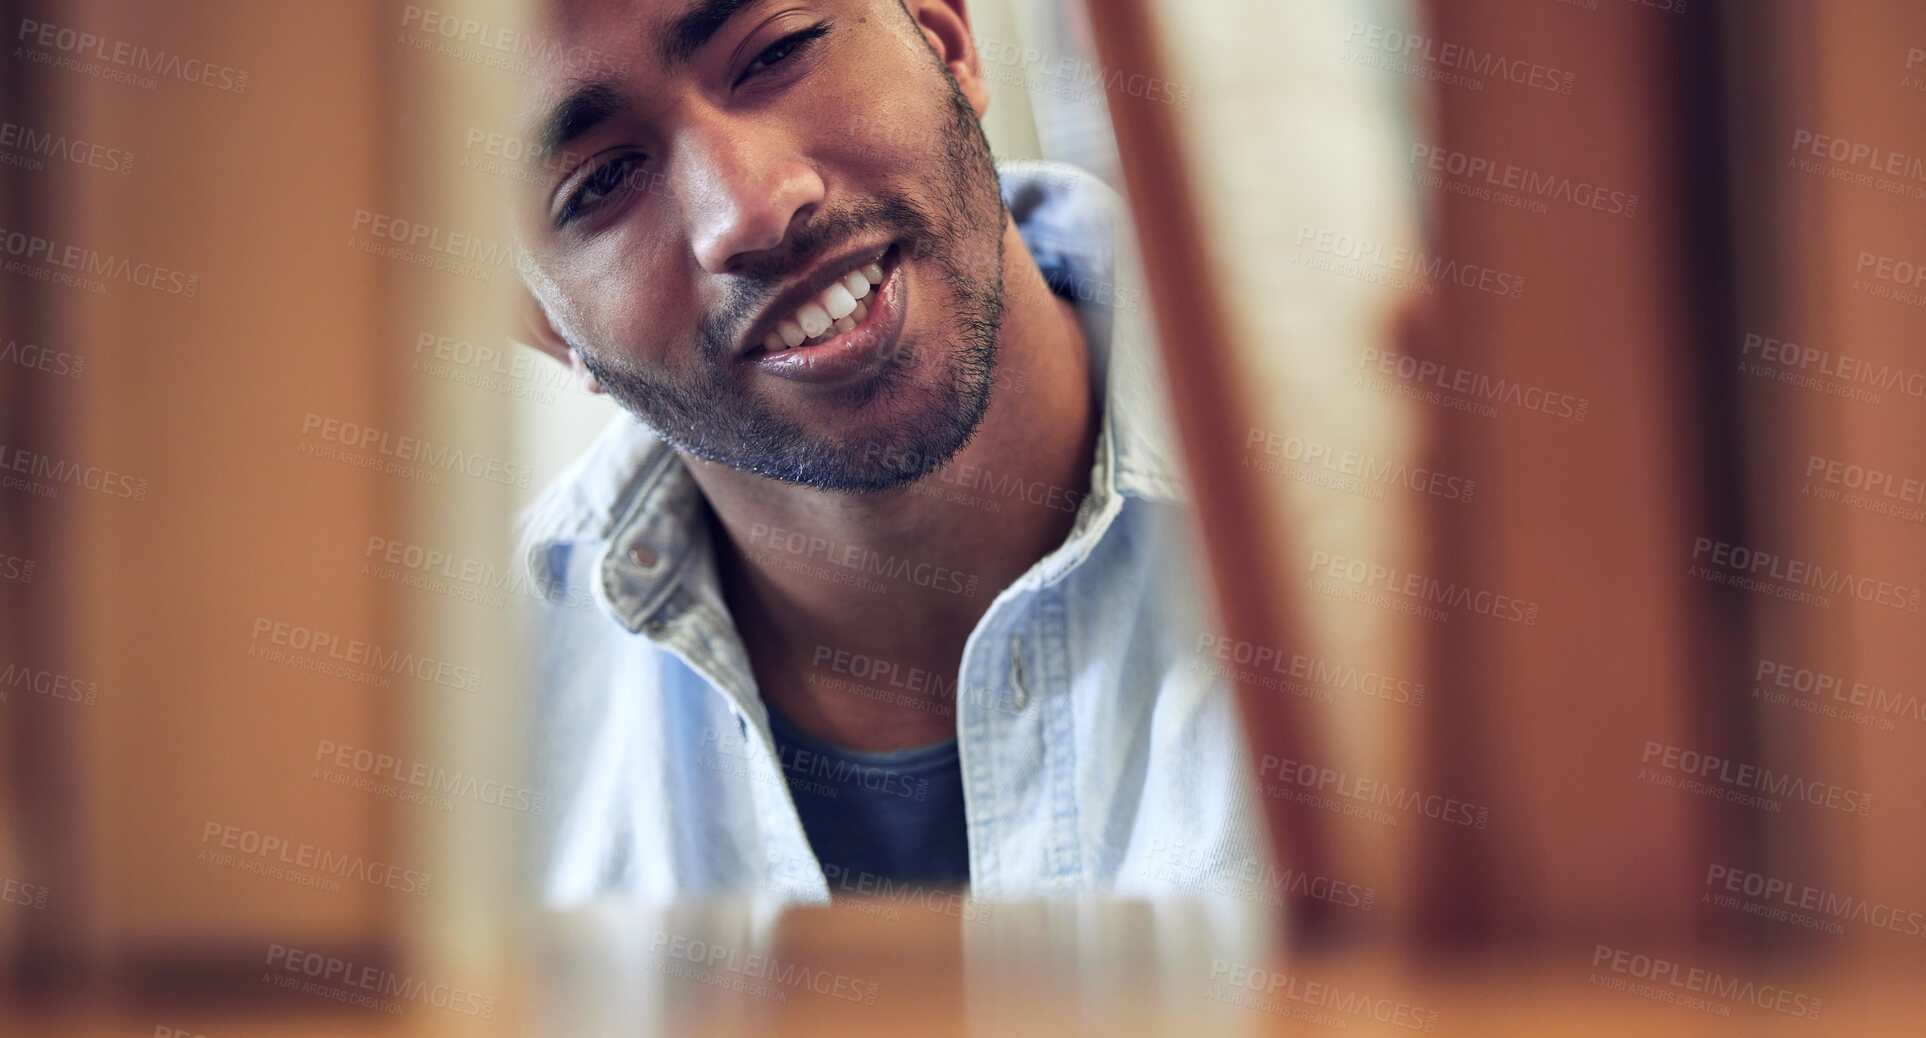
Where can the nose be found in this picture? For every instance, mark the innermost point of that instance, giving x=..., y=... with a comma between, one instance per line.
x=746, y=190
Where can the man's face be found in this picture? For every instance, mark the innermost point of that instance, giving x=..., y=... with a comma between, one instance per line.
x=726, y=188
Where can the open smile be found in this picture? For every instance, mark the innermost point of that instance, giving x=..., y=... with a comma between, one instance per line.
x=847, y=329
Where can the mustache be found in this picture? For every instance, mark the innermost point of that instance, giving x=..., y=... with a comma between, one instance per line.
x=763, y=276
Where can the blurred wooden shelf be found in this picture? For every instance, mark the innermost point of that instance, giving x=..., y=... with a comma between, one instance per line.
x=1117, y=968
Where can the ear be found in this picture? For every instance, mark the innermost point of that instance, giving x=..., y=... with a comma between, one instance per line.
x=946, y=25
x=541, y=334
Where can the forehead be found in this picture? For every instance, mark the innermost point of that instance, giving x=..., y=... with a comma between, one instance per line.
x=623, y=25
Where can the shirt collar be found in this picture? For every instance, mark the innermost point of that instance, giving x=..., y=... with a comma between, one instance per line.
x=634, y=493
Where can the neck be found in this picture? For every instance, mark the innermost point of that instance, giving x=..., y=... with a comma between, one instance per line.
x=873, y=663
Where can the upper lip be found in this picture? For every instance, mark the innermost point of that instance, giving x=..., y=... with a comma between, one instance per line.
x=801, y=290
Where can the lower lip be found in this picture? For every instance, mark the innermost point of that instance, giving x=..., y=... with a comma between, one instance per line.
x=855, y=354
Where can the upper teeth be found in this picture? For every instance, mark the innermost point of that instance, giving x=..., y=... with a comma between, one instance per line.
x=835, y=309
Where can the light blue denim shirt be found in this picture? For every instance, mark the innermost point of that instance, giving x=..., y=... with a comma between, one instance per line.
x=1098, y=753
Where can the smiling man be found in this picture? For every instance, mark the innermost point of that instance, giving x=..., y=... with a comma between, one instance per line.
x=882, y=580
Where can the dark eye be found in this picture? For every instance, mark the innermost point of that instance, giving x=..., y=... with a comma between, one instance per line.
x=781, y=50
x=607, y=179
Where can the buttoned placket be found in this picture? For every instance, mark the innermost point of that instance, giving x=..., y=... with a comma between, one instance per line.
x=1049, y=671
x=1014, y=687
x=976, y=741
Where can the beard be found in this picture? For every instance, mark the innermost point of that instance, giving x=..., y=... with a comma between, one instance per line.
x=912, y=416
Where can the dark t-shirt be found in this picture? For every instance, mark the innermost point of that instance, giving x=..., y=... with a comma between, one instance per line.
x=870, y=817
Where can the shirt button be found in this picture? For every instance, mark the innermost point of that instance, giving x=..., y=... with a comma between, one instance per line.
x=643, y=555
x=1019, y=696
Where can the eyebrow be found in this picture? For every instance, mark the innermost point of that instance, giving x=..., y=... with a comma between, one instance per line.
x=692, y=31
x=586, y=107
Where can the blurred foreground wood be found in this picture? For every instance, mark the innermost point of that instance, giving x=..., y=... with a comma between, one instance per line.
x=938, y=966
